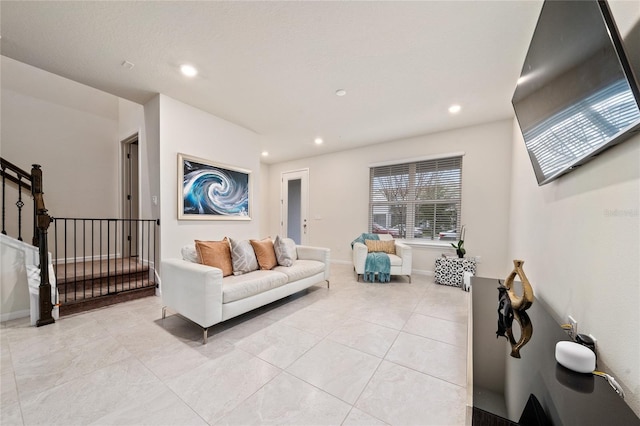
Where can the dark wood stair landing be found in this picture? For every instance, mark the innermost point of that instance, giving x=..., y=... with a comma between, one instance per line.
x=89, y=285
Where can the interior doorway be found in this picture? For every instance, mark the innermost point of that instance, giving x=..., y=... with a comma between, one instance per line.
x=295, y=205
x=130, y=195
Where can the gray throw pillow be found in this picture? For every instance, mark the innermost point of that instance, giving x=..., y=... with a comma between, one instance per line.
x=190, y=254
x=285, y=249
x=243, y=257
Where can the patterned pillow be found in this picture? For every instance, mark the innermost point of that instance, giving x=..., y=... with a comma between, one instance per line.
x=190, y=254
x=243, y=257
x=265, y=253
x=285, y=249
x=217, y=254
x=385, y=246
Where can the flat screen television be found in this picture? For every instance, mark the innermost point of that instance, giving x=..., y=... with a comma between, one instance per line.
x=577, y=94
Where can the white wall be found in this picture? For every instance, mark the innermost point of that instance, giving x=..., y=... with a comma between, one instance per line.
x=185, y=129
x=150, y=167
x=68, y=128
x=579, y=236
x=71, y=130
x=339, y=192
x=264, y=205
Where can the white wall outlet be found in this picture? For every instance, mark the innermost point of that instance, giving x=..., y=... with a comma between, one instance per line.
x=478, y=259
x=154, y=200
x=573, y=331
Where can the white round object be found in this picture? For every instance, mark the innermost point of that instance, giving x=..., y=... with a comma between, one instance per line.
x=575, y=357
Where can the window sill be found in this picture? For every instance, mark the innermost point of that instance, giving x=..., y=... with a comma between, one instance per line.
x=427, y=243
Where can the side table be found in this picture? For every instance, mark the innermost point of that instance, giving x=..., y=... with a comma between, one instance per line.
x=450, y=270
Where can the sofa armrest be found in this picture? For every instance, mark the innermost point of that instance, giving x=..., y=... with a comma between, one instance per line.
x=320, y=254
x=193, y=290
x=406, y=253
x=360, y=252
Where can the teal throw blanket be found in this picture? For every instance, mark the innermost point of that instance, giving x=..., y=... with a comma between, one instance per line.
x=377, y=264
x=364, y=236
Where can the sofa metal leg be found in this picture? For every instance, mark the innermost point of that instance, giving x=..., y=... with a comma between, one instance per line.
x=204, y=335
x=328, y=284
x=164, y=312
x=409, y=278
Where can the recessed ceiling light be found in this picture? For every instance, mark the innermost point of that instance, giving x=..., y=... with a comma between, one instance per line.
x=265, y=153
x=127, y=65
x=454, y=109
x=188, y=70
x=341, y=92
x=318, y=141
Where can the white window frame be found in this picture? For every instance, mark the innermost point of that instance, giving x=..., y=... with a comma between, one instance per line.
x=407, y=198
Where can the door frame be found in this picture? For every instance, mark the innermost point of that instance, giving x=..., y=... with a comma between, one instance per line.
x=285, y=177
x=130, y=208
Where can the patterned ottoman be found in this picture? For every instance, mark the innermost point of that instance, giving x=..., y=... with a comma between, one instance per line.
x=449, y=270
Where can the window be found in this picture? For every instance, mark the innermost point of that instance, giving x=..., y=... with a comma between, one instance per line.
x=420, y=200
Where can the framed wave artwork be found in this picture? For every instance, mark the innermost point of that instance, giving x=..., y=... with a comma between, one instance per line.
x=210, y=191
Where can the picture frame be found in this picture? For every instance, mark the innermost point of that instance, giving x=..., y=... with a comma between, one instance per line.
x=212, y=191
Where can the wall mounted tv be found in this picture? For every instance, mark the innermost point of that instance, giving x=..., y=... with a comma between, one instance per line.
x=577, y=94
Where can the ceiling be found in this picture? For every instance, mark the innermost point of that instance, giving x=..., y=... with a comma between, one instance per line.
x=274, y=67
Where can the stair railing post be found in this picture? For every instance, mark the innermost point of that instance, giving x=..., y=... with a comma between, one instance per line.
x=34, y=240
x=43, y=221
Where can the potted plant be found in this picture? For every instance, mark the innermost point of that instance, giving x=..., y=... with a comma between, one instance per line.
x=460, y=246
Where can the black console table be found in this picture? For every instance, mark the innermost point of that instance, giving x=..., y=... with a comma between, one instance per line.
x=502, y=384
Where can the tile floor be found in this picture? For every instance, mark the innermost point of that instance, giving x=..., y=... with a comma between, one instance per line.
x=354, y=354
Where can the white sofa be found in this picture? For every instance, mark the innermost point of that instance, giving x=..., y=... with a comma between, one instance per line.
x=200, y=293
x=400, y=262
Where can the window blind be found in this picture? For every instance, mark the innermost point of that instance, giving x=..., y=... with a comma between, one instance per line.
x=417, y=200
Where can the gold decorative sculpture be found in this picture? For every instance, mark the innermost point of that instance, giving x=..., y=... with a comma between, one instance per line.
x=511, y=306
x=526, y=331
x=519, y=303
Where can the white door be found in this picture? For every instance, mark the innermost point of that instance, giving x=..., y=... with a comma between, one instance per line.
x=295, y=206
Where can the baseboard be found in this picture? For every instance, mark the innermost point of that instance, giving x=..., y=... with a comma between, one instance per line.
x=413, y=271
x=62, y=260
x=15, y=315
x=113, y=256
x=422, y=272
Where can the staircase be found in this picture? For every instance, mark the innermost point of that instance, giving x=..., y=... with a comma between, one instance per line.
x=94, y=284
x=97, y=262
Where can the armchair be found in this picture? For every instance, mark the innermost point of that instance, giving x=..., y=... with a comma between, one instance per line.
x=400, y=262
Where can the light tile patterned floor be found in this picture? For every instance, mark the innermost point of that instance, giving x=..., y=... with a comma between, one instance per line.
x=354, y=354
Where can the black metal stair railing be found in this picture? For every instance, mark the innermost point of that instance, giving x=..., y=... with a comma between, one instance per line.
x=103, y=257
x=22, y=178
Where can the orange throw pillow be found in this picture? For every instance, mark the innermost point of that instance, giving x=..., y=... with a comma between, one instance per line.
x=217, y=254
x=265, y=253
